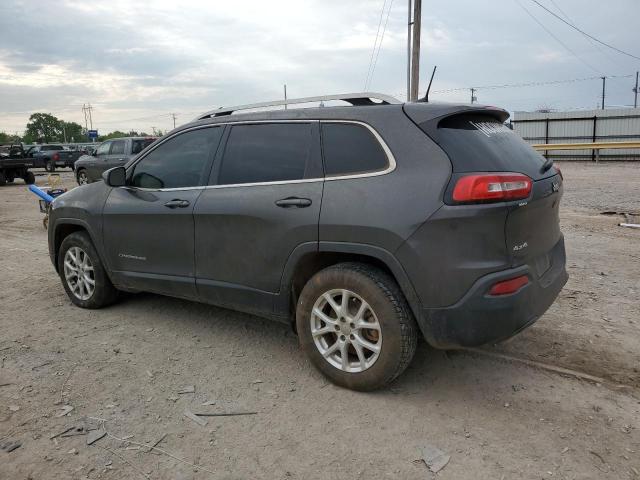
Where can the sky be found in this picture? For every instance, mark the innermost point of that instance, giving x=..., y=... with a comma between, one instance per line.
x=139, y=62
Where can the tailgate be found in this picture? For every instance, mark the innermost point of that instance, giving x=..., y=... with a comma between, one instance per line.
x=532, y=229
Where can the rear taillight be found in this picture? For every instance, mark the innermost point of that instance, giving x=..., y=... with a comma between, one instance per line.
x=491, y=187
x=56, y=156
x=506, y=287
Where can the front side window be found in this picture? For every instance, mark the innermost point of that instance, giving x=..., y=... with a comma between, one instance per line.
x=268, y=152
x=103, y=148
x=179, y=162
x=117, y=147
x=350, y=149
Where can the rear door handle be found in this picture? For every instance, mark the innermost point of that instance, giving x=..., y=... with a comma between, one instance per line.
x=177, y=203
x=293, y=202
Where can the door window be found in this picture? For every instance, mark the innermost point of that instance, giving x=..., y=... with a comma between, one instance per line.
x=178, y=162
x=267, y=152
x=350, y=149
x=103, y=149
x=117, y=147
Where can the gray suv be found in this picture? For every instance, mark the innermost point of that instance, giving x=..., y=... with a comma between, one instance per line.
x=362, y=226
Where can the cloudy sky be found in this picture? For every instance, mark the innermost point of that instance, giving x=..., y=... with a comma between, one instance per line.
x=138, y=62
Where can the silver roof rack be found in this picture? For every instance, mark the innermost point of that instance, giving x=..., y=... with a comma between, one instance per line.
x=356, y=99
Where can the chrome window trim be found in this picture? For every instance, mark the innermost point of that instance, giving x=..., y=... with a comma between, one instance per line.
x=390, y=157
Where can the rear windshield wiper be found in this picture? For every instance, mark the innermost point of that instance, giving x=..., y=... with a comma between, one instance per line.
x=548, y=163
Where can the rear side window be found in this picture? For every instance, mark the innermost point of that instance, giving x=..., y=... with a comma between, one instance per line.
x=349, y=149
x=117, y=147
x=266, y=153
x=139, y=145
x=481, y=143
x=179, y=162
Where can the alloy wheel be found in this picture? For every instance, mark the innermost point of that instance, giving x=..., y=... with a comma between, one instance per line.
x=79, y=273
x=346, y=331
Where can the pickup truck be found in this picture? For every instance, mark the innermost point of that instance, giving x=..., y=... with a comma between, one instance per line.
x=112, y=153
x=15, y=164
x=52, y=156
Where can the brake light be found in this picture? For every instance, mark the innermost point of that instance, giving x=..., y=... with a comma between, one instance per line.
x=492, y=187
x=506, y=287
x=56, y=156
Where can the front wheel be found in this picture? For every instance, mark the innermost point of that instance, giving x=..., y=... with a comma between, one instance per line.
x=49, y=166
x=355, y=325
x=83, y=276
x=82, y=177
x=29, y=178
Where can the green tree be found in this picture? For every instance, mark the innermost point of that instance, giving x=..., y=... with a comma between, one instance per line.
x=74, y=132
x=43, y=128
x=115, y=134
x=8, y=138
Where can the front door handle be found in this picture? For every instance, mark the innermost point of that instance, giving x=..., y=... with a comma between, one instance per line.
x=293, y=202
x=177, y=203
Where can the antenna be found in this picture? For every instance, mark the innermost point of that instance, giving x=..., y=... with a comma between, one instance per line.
x=426, y=95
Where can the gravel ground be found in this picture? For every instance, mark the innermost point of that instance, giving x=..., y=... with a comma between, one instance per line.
x=124, y=366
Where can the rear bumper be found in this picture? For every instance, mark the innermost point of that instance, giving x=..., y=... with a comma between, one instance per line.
x=479, y=318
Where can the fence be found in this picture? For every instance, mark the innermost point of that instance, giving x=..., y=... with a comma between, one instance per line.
x=581, y=127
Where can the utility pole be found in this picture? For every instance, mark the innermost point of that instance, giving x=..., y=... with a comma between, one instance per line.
x=409, y=25
x=84, y=111
x=473, y=95
x=635, y=99
x=64, y=133
x=173, y=115
x=604, y=81
x=285, y=96
x=415, y=51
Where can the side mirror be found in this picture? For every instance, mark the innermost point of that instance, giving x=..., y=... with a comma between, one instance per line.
x=115, y=177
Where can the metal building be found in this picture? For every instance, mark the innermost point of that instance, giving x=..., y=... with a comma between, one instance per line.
x=610, y=125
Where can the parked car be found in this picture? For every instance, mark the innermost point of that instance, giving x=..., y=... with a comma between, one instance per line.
x=109, y=154
x=50, y=156
x=362, y=226
x=15, y=164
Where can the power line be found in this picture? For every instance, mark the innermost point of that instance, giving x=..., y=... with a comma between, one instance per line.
x=555, y=37
x=530, y=84
x=585, y=33
x=375, y=43
x=375, y=61
x=598, y=47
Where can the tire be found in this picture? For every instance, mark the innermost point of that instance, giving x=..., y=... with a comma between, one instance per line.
x=49, y=166
x=10, y=177
x=29, y=178
x=395, y=336
x=3, y=180
x=104, y=293
x=81, y=177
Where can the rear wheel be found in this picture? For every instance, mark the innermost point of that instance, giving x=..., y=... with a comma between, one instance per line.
x=29, y=178
x=82, y=177
x=49, y=166
x=3, y=179
x=355, y=325
x=82, y=273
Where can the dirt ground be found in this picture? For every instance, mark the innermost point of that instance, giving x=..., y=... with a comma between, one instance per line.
x=122, y=369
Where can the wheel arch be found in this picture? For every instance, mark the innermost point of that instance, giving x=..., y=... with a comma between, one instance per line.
x=65, y=227
x=308, y=259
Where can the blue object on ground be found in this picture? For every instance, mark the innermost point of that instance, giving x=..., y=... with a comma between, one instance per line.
x=45, y=196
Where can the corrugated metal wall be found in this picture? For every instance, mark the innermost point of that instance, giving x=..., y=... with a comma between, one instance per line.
x=610, y=125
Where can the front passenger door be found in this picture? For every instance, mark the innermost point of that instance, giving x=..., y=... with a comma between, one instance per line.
x=95, y=165
x=148, y=225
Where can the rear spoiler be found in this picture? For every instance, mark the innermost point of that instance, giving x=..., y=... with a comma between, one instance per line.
x=428, y=115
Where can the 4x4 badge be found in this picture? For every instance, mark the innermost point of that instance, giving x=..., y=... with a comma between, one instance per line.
x=555, y=186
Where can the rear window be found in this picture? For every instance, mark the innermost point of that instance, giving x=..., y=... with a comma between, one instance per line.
x=266, y=153
x=481, y=143
x=349, y=149
x=50, y=148
x=139, y=145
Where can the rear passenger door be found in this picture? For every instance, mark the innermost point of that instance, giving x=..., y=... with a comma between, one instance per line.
x=117, y=156
x=263, y=201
